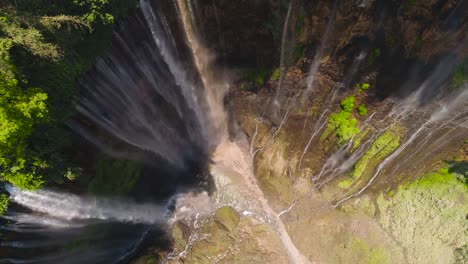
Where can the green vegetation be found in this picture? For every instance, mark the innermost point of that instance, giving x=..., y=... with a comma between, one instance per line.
x=358, y=138
x=383, y=146
x=362, y=110
x=438, y=200
x=114, y=177
x=442, y=177
x=96, y=11
x=459, y=167
x=276, y=74
x=344, y=126
x=44, y=47
x=345, y=184
x=373, y=56
x=362, y=87
x=20, y=110
x=150, y=258
x=368, y=254
x=255, y=78
x=3, y=203
x=348, y=104
x=227, y=217
x=460, y=76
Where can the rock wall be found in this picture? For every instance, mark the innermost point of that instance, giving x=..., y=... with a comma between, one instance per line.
x=375, y=227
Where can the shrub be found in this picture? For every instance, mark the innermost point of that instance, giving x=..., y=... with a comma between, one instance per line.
x=276, y=74
x=44, y=47
x=362, y=110
x=348, y=104
x=362, y=87
x=342, y=123
x=20, y=110
x=4, y=201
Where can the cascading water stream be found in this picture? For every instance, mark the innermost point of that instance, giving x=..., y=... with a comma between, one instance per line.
x=442, y=113
x=216, y=93
x=156, y=97
x=314, y=67
x=73, y=207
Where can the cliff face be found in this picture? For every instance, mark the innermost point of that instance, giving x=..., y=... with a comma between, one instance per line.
x=314, y=147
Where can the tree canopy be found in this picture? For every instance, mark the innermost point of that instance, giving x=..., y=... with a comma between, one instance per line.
x=44, y=46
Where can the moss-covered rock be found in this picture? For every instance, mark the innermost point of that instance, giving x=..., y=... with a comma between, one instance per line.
x=149, y=258
x=383, y=146
x=180, y=235
x=358, y=138
x=368, y=254
x=345, y=184
x=250, y=242
x=426, y=217
x=228, y=217
x=272, y=171
x=331, y=236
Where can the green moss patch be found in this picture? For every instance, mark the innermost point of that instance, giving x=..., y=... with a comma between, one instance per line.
x=276, y=74
x=358, y=139
x=368, y=254
x=362, y=87
x=383, y=146
x=345, y=184
x=228, y=217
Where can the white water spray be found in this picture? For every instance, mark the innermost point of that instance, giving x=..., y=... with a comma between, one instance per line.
x=314, y=67
x=452, y=109
x=72, y=207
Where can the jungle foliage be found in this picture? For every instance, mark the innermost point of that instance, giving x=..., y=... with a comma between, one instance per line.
x=44, y=46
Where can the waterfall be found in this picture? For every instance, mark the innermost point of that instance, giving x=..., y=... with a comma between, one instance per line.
x=72, y=207
x=155, y=93
x=314, y=67
x=215, y=90
x=429, y=115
